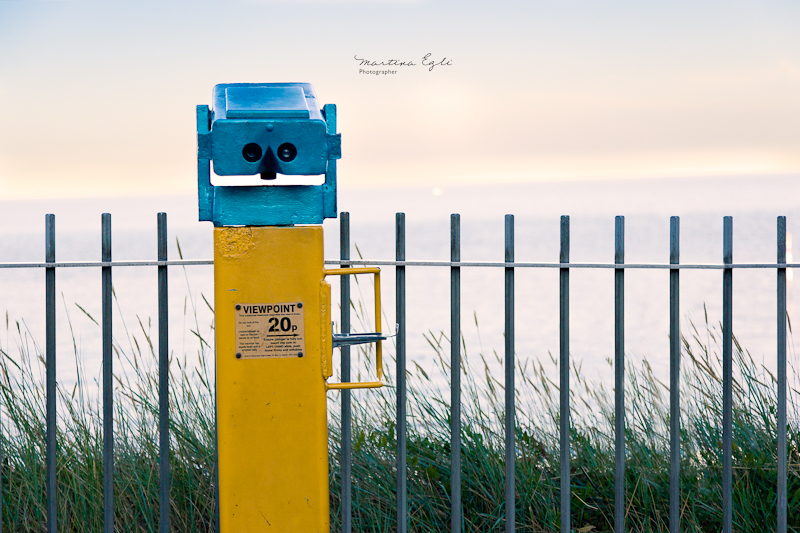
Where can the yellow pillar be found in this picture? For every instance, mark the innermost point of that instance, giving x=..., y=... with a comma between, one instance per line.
x=273, y=341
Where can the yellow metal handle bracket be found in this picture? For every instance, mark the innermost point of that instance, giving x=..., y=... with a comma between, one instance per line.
x=378, y=351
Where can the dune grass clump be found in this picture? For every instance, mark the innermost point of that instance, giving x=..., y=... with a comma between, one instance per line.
x=375, y=440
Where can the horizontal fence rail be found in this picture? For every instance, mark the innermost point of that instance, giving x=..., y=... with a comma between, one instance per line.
x=380, y=262
x=727, y=266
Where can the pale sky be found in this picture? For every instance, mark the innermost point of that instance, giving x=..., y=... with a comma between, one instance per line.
x=99, y=98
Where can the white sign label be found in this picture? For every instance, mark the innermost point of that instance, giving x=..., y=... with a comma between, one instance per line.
x=270, y=330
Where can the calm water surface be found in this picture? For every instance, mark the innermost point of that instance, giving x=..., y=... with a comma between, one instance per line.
x=753, y=201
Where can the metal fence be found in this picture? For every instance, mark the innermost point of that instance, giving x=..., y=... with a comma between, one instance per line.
x=727, y=266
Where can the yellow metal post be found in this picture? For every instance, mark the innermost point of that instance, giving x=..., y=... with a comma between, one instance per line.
x=273, y=334
x=273, y=319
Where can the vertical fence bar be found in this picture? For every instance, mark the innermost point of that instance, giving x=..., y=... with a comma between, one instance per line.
x=564, y=374
x=727, y=376
x=674, y=377
x=2, y=461
x=455, y=375
x=216, y=526
x=400, y=316
x=511, y=453
x=346, y=452
x=782, y=474
x=163, y=380
x=619, y=375
x=50, y=341
x=108, y=384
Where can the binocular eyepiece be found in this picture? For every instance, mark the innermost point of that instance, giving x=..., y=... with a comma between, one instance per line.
x=252, y=152
x=287, y=152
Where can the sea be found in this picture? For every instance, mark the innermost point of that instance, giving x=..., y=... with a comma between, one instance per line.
x=754, y=202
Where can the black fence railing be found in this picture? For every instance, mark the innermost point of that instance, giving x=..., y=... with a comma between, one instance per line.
x=727, y=266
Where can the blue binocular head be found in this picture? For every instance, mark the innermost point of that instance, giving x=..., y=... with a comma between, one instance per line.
x=267, y=129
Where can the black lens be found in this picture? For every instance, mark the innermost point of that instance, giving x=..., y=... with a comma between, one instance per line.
x=287, y=152
x=251, y=152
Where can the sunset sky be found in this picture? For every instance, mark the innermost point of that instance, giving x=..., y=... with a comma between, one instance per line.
x=99, y=98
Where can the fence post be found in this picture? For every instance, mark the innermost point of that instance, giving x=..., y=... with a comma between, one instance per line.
x=727, y=376
x=400, y=315
x=619, y=375
x=50, y=340
x=455, y=375
x=564, y=377
x=108, y=381
x=511, y=453
x=782, y=478
x=346, y=451
x=163, y=379
x=674, y=377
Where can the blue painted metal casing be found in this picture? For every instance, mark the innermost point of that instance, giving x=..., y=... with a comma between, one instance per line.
x=266, y=128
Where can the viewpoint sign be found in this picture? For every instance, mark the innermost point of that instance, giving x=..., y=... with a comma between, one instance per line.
x=268, y=330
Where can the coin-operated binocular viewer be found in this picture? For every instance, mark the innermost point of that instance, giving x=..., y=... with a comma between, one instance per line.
x=274, y=338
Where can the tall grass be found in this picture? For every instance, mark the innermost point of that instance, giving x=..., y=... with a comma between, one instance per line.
x=592, y=447
x=374, y=444
x=80, y=440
